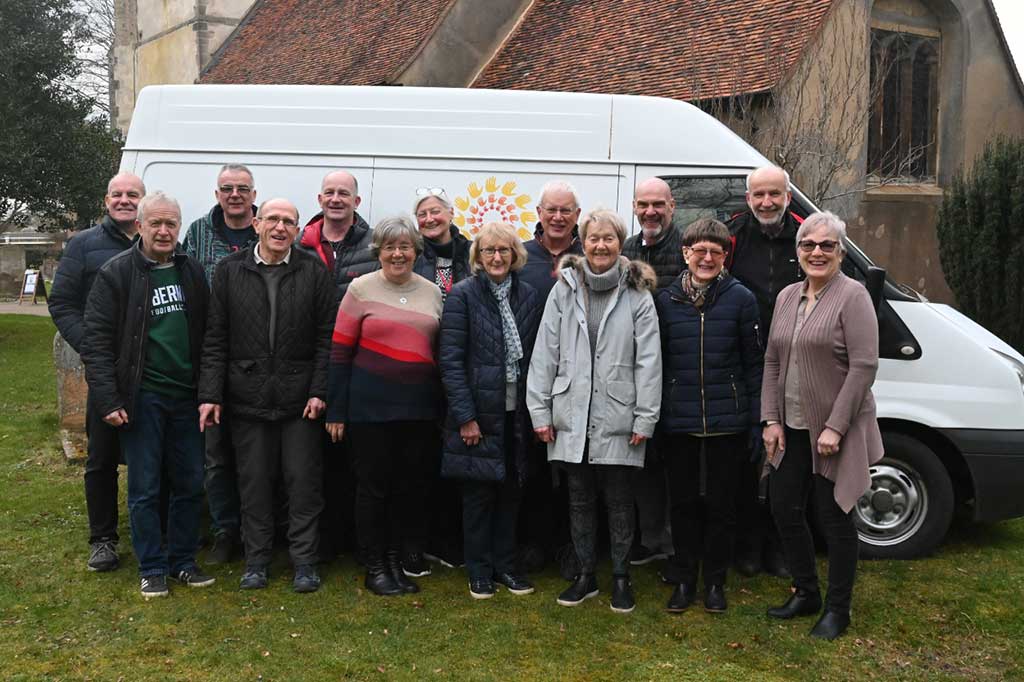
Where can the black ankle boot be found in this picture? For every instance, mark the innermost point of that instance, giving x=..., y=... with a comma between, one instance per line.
x=584, y=586
x=378, y=576
x=800, y=603
x=682, y=597
x=831, y=625
x=394, y=560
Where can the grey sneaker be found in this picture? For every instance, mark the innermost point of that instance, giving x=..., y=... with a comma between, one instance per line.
x=306, y=579
x=103, y=556
x=194, y=577
x=254, y=578
x=154, y=586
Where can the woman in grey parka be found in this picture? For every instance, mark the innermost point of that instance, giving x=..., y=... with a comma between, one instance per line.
x=594, y=392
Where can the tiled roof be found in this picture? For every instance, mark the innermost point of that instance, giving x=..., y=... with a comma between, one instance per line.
x=329, y=42
x=683, y=49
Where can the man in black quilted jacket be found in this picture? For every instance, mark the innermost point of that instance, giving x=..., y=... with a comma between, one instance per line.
x=84, y=255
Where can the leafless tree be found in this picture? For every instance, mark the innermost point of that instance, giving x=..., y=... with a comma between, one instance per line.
x=95, y=50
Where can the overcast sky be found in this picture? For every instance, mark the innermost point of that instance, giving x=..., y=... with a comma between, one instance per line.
x=1011, y=17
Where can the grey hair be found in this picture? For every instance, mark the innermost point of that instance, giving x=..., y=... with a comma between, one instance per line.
x=559, y=186
x=157, y=197
x=393, y=228
x=605, y=216
x=237, y=168
x=825, y=219
x=789, y=185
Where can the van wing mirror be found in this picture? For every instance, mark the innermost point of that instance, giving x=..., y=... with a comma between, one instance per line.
x=875, y=283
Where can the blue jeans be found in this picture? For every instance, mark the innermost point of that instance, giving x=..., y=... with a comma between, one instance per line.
x=164, y=436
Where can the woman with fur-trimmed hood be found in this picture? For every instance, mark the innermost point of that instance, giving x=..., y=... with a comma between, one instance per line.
x=594, y=392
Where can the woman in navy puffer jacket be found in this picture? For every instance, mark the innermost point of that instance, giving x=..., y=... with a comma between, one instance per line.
x=712, y=360
x=487, y=333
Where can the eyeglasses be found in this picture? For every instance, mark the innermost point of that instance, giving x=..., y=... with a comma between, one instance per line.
x=489, y=251
x=702, y=252
x=273, y=220
x=431, y=192
x=397, y=248
x=826, y=246
x=557, y=210
x=230, y=189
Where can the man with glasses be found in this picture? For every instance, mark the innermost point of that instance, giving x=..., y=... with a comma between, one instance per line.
x=764, y=260
x=264, y=364
x=227, y=228
x=555, y=236
x=84, y=255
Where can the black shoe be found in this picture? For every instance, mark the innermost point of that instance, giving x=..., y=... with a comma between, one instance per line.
x=448, y=554
x=584, y=587
x=641, y=556
x=398, y=573
x=194, y=577
x=623, y=600
x=514, y=583
x=831, y=625
x=154, y=586
x=378, y=578
x=775, y=564
x=414, y=565
x=103, y=556
x=306, y=579
x=226, y=548
x=714, y=599
x=800, y=603
x=682, y=597
x=254, y=578
x=481, y=588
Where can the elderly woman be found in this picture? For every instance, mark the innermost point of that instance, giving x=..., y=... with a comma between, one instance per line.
x=820, y=430
x=384, y=386
x=487, y=334
x=712, y=358
x=445, y=257
x=594, y=393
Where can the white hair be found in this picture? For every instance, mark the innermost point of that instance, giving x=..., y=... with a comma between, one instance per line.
x=559, y=186
x=789, y=185
x=157, y=198
x=825, y=219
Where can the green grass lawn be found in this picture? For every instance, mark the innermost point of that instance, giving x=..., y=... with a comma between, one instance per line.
x=956, y=616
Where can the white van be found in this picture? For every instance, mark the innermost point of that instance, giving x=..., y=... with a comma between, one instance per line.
x=950, y=394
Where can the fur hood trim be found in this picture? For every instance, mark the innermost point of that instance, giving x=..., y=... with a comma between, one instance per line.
x=636, y=274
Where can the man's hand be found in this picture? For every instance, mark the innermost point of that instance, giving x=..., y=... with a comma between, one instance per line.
x=470, y=432
x=336, y=429
x=117, y=418
x=545, y=434
x=209, y=414
x=314, y=408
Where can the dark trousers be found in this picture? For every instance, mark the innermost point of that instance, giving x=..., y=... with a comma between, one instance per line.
x=337, y=529
x=102, y=457
x=392, y=464
x=586, y=481
x=163, y=436
x=489, y=512
x=703, y=525
x=791, y=486
x=268, y=452
x=543, y=519
x=222, y=480
x=650, y=491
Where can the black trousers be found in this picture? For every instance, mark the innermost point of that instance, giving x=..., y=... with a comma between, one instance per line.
x=586, y=481
x=791, y=486
x=543, y=514
x=269, y=452
x=393, y=465
x=709, y=533
x=102, y=457
x=337, y=522
x=221, y=480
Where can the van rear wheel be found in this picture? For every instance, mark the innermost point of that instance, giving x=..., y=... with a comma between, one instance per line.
x=909, y=507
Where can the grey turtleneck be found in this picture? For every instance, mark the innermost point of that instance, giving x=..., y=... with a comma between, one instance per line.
x=598, y=293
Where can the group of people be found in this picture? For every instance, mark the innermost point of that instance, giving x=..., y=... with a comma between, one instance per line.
x=456, y=380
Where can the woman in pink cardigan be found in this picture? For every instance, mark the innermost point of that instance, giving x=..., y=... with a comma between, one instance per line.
x=820, y=430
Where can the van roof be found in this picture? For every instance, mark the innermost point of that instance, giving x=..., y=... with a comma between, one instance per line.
x=432, y=123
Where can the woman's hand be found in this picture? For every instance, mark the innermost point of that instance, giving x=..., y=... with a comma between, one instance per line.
x=545, y=434
x=470, y=432
x=636, y=439
x=336, y=429
x=774, y=437
x=828, y=442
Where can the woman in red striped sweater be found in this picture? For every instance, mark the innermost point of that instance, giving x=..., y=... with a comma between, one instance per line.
x=385, y=392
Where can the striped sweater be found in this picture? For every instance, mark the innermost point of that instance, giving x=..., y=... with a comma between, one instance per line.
x=383, y=357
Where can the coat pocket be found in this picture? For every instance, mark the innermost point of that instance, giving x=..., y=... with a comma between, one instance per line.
x=621, y=406
x=561, y=406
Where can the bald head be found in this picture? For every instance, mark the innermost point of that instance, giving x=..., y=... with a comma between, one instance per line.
x=339, y=199
x=124, y=191
x=653, y=207
x=277, y=224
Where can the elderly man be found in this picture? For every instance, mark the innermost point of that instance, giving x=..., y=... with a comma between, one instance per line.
x=265, y=366
x=339, y=235
x=555, y=236
x=144, y=320
x=659, y=244
x=764, y=260
x=226, y=228
x=85, y=254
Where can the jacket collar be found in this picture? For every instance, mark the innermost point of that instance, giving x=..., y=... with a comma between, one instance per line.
x=313, y=229
x=635, y=274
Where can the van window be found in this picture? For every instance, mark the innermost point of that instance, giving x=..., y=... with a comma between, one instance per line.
x=702, y=197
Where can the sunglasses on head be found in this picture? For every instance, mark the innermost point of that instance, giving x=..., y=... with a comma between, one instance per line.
x=431, y=192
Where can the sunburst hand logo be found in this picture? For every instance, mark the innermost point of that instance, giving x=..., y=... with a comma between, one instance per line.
x=493, y=205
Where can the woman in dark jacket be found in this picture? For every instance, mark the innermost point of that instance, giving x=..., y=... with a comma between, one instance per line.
x=712, y=360
x=487, y=334
x=445, y=257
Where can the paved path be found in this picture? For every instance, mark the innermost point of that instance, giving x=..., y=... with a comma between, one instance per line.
x=24, y=309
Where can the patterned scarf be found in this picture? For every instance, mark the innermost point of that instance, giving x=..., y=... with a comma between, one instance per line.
x=513, y=346
x=694, y=291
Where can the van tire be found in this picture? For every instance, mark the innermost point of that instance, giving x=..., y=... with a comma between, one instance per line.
x=908, y=509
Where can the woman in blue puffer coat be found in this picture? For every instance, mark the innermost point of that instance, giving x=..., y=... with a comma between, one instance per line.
x=712, y=359
x=488, y=329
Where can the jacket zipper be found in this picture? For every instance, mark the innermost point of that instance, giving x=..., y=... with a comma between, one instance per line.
x=735, y=397
x=703, y=406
